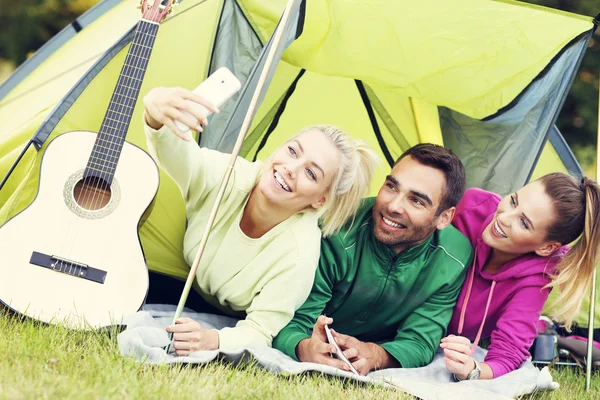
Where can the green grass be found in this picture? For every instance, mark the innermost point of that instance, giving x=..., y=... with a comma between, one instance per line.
x=49, y=362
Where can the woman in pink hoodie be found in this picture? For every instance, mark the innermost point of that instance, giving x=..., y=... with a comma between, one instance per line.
x=520, y=255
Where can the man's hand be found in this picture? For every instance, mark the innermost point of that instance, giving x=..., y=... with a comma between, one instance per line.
x=189, y=336
x=364, y=356
x=316, y=349
x=457, y=354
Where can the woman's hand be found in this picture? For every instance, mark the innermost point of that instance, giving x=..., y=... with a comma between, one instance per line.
x=189, y=336
x=165, y=105
x=457, y=353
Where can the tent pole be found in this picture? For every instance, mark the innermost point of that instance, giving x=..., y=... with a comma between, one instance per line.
x=590, y=344
x=592, y=315
x=12, y=168
x=277, y=37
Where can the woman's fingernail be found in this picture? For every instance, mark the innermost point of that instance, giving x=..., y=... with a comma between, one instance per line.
x=332, y=350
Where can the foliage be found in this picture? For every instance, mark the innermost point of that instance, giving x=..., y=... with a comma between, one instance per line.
x=25, y=25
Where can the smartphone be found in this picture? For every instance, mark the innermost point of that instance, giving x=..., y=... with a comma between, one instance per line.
x=217, y=88
x=339, y=353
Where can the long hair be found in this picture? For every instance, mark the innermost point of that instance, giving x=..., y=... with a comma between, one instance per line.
x=577, y=214
x=352, y=181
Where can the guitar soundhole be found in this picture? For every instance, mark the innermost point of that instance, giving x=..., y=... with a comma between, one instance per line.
x=92, y=193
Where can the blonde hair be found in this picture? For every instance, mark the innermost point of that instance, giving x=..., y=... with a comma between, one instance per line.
x=352, y=181
x=577, y=214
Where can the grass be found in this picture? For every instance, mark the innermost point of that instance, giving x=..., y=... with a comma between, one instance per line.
x=50, y=362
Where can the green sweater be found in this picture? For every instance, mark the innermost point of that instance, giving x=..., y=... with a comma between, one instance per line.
x=404, y=302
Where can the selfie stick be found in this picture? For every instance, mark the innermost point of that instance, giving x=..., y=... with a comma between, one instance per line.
x=234, y=154
x=590, y=344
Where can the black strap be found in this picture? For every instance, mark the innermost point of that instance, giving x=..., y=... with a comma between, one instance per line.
x=77, y=26
x=374, y=124
x=301, y=18
x=277, y=115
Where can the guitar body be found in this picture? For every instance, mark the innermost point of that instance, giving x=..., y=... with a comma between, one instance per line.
x=73, y=257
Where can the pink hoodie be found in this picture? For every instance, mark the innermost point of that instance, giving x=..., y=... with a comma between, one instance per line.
x=504, y=306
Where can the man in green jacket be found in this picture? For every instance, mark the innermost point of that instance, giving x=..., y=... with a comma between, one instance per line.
x=388, y=281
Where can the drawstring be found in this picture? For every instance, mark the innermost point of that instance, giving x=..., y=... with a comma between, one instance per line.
x=466, y=300
x=487, y=306
x=464, y=305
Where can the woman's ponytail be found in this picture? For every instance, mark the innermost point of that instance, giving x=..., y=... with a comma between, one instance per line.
x=577, y=210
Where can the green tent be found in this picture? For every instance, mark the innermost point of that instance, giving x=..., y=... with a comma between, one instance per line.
x=485, y=78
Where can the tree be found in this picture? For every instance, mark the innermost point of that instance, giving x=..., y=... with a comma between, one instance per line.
x=25, y=25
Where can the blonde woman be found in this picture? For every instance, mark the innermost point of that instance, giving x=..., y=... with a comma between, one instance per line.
x=264, y=248
x=520, y=255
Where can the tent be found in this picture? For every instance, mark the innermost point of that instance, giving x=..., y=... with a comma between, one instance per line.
x=485, y=78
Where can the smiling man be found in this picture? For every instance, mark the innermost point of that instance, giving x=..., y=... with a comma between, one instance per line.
x=389, y=281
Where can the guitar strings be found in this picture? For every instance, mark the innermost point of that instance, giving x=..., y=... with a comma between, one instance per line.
x=137, y=56
x=112, y=147
x=134, y=60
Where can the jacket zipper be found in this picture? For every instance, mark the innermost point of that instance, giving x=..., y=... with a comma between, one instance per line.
x=368, y=310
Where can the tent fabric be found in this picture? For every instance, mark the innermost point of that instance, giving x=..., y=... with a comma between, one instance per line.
x=387, y=72
x=29, y=101
x=54, y=44
x=483, y=53
x=223, y=130
x=501, y=151
x=562, y=154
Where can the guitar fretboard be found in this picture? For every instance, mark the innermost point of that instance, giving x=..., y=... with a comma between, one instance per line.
x=109, y=143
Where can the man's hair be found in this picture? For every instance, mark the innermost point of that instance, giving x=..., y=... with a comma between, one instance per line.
x=438, y=157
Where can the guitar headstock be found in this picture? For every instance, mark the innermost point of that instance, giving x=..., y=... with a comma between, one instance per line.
x=156, y=10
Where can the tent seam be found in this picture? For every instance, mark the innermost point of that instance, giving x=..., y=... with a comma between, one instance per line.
x=252, y=24
x=559, y=106
x=290, y=91
x=374, y=124
x=249, y=142
x=539, y=76
x=212, y=53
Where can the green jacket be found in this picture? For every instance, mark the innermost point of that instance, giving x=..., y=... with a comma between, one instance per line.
x=404, y=302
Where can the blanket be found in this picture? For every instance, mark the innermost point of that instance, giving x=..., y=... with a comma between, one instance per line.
x=145, y=339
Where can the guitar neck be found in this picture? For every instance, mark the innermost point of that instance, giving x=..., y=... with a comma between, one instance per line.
x=111, y=137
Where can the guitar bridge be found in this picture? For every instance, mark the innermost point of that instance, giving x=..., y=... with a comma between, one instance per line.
x=69, y=267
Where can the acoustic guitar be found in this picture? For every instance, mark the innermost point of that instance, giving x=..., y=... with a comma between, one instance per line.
x=73, y=256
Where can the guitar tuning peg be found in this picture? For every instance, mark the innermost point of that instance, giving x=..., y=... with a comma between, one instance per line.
x=172, y=7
